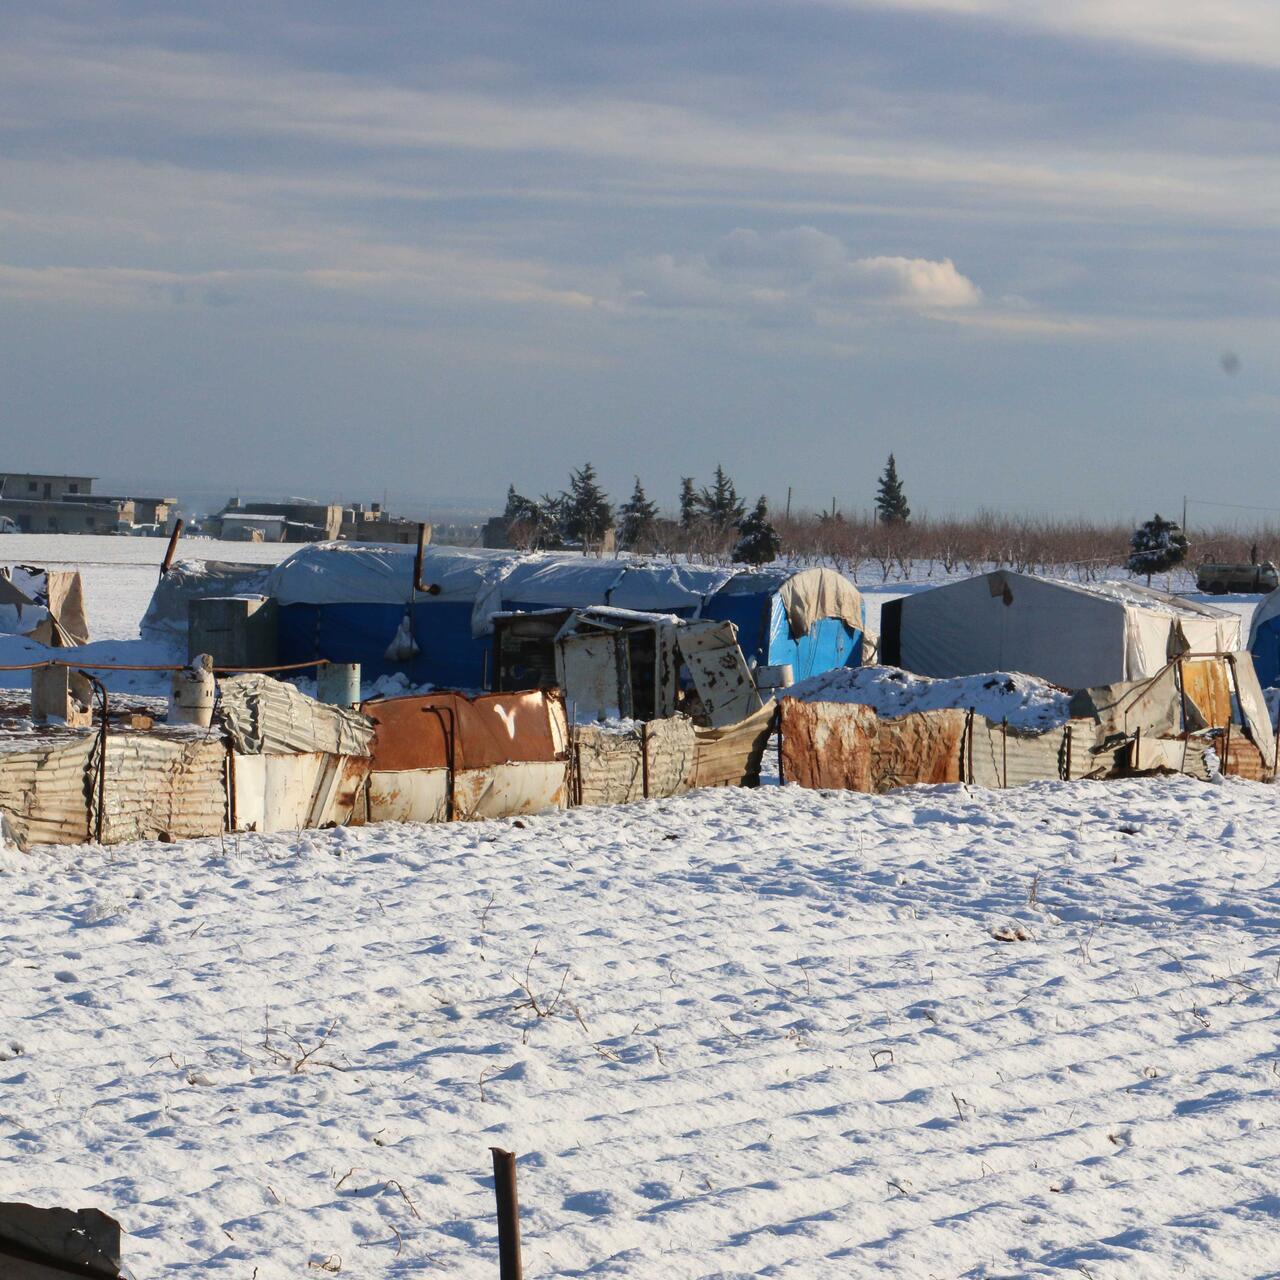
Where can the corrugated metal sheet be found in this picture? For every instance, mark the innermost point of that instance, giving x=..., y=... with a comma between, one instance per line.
x=160, y=786
x=1004, y=757
x=611, y=767
x=1207, y=684
x=43, y=792
x=291, y=792
x=507, y=790
x=265, y=715
x=731, y=757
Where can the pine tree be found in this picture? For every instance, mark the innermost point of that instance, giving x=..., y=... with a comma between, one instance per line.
x=688, y=503
x=758, y=541
x=1156, y=546
x=891, y=501
x=720, y=504
x=587, y=512
x=637, y=515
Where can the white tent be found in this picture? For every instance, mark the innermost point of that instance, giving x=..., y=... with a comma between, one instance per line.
x=1073, y=634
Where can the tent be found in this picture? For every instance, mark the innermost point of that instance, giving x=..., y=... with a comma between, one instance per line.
x=1264, y=640
x=358, y=603
x=45, y=604
x=1072, y=634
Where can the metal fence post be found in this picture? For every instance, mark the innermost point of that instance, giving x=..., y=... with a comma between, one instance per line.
x=504, y=1189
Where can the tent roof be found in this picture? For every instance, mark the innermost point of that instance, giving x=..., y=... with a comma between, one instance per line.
x=368, y=573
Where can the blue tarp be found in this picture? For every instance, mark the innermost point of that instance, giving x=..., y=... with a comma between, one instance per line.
x=347, y=603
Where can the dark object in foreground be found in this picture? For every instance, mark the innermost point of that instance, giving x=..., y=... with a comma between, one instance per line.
x=44, y=1244
x=504, y=1189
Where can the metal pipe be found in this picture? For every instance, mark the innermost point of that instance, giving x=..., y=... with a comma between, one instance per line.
x=504, y=1190
x=432, y=588
x=173, y=546
x=101, y=690
x=644, y=757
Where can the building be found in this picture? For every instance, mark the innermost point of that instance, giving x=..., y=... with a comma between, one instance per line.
x=295, y=520
x=373, y=524
x=31, y=487
x=67, y=504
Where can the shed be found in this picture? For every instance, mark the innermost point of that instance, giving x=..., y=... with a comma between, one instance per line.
x=359, y=603
x=1072, y=634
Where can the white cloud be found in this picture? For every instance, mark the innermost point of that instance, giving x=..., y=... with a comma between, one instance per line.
x=1242, y=31
x=801, y=272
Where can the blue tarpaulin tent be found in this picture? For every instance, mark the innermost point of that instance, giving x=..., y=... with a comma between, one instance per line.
x=358, y=603
x=1264, y=640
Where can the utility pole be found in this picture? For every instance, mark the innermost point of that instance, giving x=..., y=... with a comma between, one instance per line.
x=1184, y=513
x=788, y=502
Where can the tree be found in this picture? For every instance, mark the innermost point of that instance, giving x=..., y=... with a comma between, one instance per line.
x=1156, y=546
x=891, y=501
x=519, y=509
x=720, y=504
x=586, y=509
x=688, y=503
x=637, y=516
x=758, y=541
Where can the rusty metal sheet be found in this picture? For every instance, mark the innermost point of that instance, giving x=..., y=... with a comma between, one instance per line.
x=844, y=745
x=1207, y=684
x=408, y=795
x=1241, y=759
x=507, y=790
x=491, y=729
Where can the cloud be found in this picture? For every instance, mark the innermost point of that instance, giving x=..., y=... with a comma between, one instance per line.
x=799, y=273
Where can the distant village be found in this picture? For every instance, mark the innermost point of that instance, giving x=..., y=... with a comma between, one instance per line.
x=34, y=503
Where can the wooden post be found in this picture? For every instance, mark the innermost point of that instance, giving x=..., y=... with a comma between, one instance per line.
x=1004, y=749
x=644, y=756
x=504, y=1189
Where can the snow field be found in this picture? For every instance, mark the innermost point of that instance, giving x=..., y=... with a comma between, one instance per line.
x=739, y=1033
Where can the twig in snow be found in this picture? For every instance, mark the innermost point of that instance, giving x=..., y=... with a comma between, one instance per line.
x=877, y=1054
x=413, y=1208
x=344, y=1177
x=959, y=1108
x=541, y=1009
x=332, y=1263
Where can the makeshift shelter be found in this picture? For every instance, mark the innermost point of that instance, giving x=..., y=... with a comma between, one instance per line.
x=45, y=604
x=623, y=663
x=1264, y=640
x=360, y=603
x=1073, y=634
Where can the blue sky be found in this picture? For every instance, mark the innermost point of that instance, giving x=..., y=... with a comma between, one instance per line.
x=429, y=249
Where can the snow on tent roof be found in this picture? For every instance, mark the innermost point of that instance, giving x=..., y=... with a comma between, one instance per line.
x=491, y=580
x=1141, y=597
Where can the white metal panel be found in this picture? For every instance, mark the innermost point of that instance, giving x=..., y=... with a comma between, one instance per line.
x=587, y=667
x=719, y=671
x=408, y=795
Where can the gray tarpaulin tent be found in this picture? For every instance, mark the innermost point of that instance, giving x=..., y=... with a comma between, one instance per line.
x=1073, y=634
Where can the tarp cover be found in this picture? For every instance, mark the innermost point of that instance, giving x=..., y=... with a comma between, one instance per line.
x=187, y=580
x=45, y=604
x=820, y=593
x=1076, y=635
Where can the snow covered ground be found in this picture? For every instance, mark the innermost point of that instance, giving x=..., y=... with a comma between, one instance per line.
x=944, y=1032
x=740, y=1033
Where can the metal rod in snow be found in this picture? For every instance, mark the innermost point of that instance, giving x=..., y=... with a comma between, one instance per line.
x=504, y=1189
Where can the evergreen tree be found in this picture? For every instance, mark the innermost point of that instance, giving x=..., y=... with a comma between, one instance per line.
x=519, y=509
x=637, y=516
x=720, y=504
x=1156, y=546
x=758, y=541
x=891, y=501
x=586, y=509
x=688, y=503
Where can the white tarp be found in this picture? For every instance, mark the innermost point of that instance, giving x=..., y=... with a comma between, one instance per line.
x=45, y=604
x=1071, y=634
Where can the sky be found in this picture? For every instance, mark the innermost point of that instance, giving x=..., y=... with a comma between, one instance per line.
x=430, y=249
